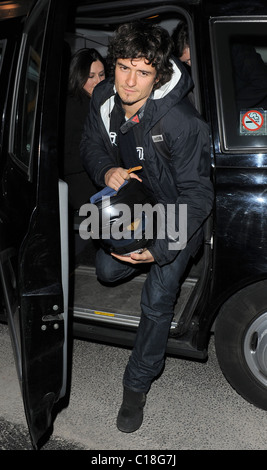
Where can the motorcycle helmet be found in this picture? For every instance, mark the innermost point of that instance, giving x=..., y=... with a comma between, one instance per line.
x=125, y=226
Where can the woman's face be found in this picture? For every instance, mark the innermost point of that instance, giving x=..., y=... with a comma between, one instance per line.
x=96, y=75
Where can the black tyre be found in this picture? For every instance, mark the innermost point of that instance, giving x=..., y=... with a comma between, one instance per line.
x=241, y=343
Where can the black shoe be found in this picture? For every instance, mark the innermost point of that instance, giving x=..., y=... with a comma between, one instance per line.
x=130, y=416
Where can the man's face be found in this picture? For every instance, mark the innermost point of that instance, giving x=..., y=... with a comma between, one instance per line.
x=134, y=81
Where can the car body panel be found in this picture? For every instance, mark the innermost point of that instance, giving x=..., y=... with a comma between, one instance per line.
x=30, y=222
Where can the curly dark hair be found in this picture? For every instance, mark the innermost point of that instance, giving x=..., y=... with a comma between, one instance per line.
x=142, y=39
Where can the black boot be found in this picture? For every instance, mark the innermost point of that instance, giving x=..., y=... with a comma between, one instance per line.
x=130, y=416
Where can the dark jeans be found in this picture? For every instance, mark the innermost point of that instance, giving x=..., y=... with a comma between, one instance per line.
x=158, y=297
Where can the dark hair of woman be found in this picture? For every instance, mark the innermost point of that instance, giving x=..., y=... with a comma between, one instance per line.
x=80, y=68
x=143, y=39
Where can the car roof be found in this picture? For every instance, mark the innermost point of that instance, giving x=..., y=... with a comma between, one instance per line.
x=220, y=7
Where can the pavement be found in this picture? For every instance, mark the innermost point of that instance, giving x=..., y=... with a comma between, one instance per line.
x=190, y=406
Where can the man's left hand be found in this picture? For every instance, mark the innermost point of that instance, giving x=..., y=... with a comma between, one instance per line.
x=136, y=258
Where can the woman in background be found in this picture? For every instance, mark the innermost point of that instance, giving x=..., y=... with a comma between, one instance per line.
x=87, y=69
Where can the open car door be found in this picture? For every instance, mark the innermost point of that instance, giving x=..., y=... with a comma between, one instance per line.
x=33, y=206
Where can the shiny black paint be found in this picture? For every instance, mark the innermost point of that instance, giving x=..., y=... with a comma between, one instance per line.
x=241, y=228
x=40, y=257
x=240, y=225
x=30, y=236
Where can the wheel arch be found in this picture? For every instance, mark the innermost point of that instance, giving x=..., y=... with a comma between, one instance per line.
x=241, y=342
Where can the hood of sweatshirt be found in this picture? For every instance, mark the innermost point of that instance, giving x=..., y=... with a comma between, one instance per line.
x=158, y=104
x=168, y=95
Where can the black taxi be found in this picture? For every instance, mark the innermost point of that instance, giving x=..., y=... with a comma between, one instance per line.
x=49, y=290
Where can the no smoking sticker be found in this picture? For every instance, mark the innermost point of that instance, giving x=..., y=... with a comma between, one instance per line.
x=253, y=120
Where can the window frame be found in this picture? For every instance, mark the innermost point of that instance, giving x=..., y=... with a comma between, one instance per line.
x=17, y=125
x=2, y=48
x=221, y=29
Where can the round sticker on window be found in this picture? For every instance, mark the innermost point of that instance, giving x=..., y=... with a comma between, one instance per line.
x=253, y=120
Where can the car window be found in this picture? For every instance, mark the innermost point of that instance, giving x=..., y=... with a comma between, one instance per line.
x=240, y=70
x=27, y=88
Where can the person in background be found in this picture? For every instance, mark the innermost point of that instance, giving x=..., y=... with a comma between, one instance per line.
x=87, y=69
x=181, y=49
x=181, y=43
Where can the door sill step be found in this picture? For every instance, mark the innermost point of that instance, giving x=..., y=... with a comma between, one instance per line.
x=120, y=304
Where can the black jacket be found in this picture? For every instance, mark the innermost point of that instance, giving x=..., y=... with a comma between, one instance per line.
x=182, y=179
x=80, y=187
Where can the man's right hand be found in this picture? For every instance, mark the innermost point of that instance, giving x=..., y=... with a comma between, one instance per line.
x=116, y=176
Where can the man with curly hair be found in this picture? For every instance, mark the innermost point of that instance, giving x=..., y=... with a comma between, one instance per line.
x=147, y=86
